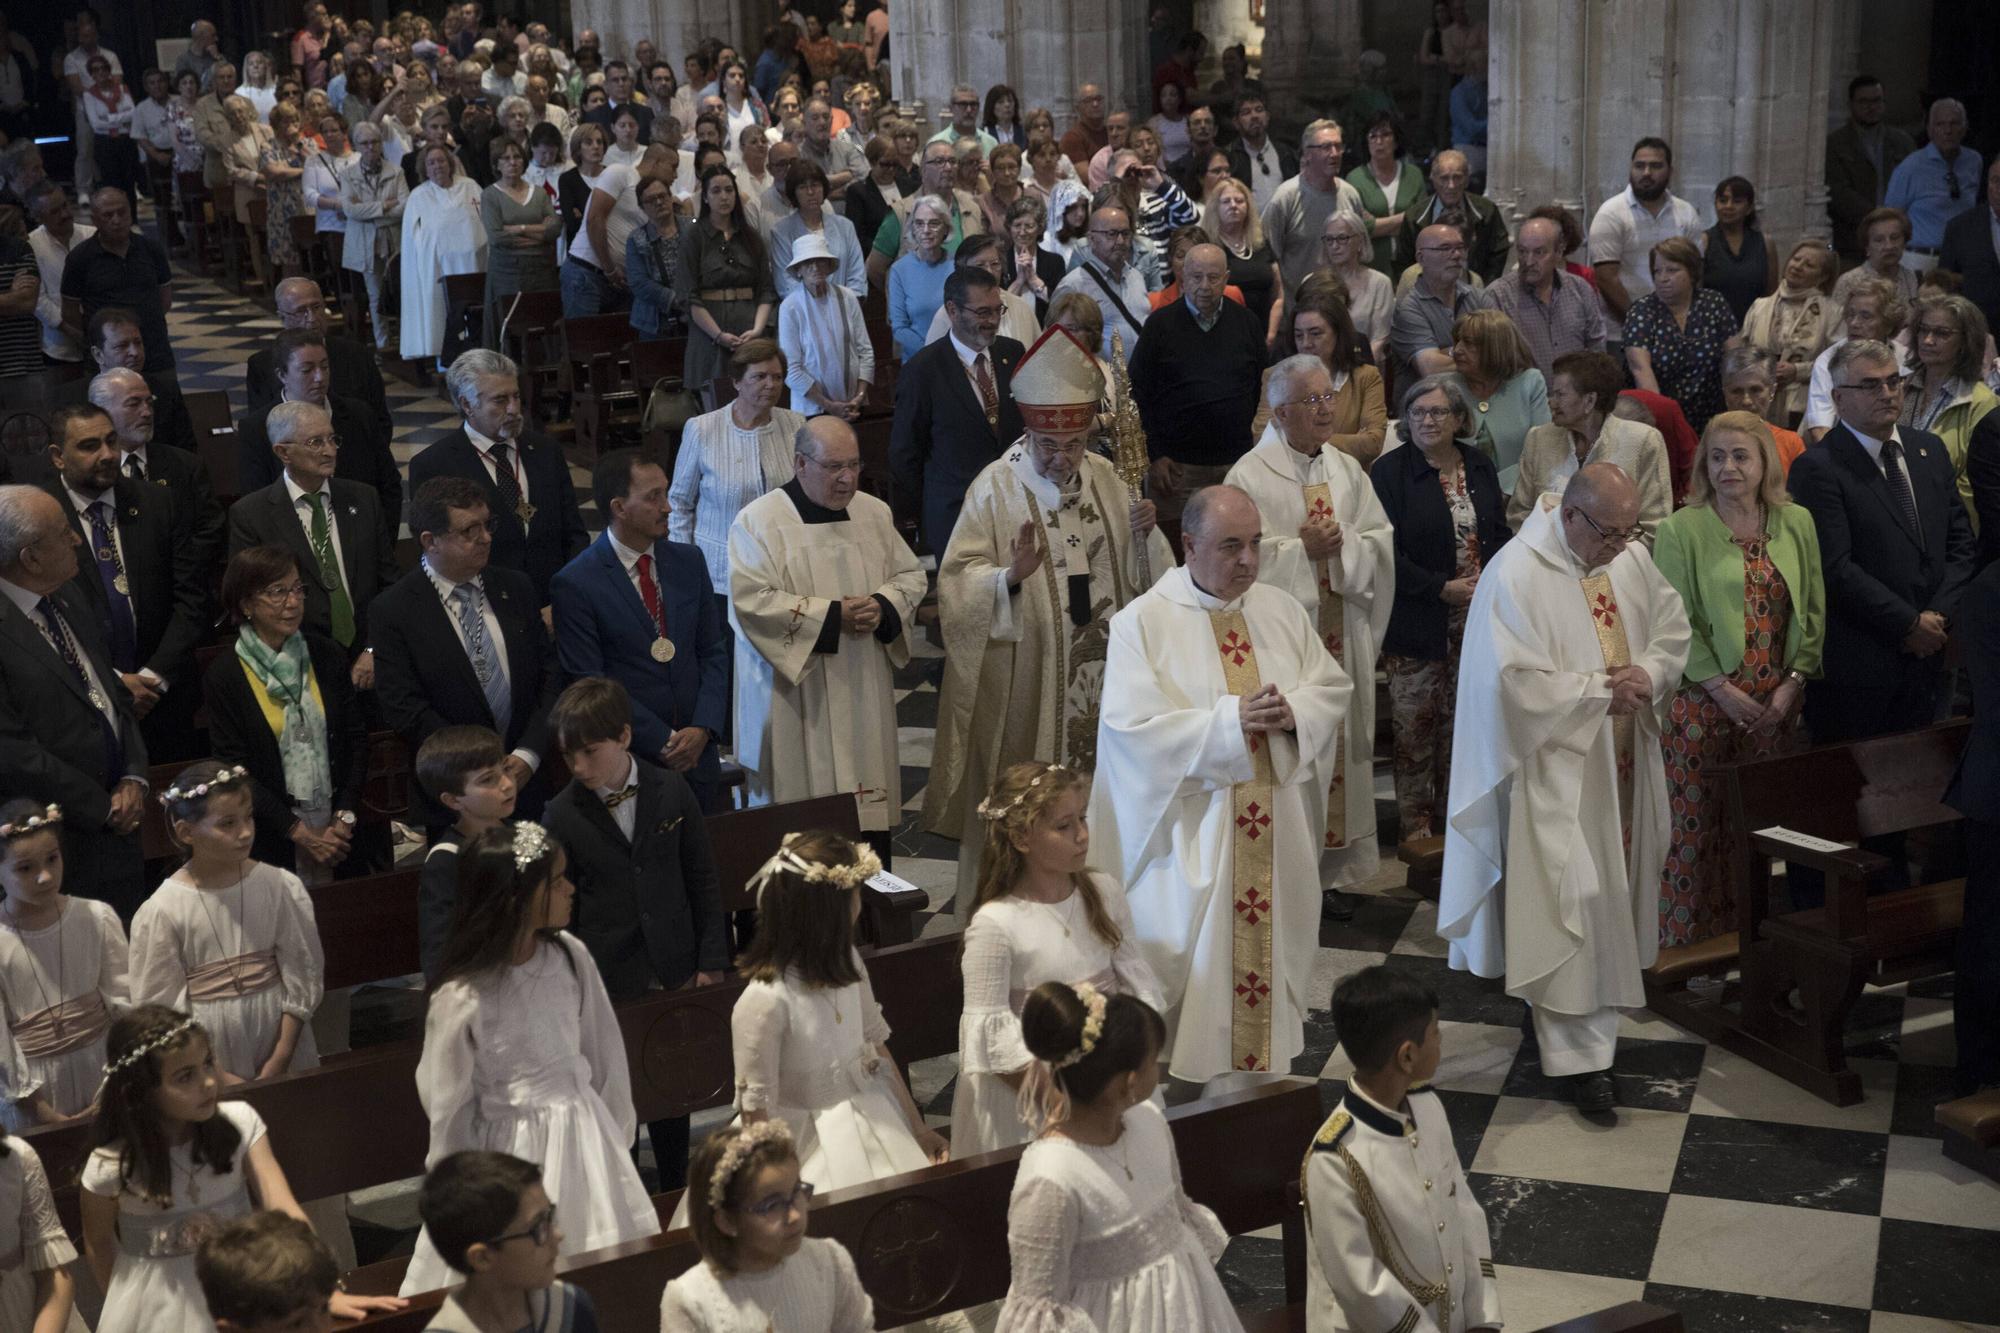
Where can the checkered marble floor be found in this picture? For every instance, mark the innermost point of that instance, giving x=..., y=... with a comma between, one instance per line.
x=1722, y=1191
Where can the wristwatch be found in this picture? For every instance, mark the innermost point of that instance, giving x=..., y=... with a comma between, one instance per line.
x=1796, y=677
x=345, y=816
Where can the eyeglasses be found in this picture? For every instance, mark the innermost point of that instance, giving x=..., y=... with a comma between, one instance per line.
x=1338, y=238
x=291, y=592
x=1322, y=399
x=470, y=532
x=1430, y=413
x=1441, y=249
x=538, y=1231
x=1622, y=535
x=778, y=1204
x=972, y=102
x=940, y=161
x=1886, y=384
x=1935, y=333
x=983, y=311
x=318, y=444
x=849, y=469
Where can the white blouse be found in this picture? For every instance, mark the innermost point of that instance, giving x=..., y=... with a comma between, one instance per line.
x=814, y=1291
x=722, y=467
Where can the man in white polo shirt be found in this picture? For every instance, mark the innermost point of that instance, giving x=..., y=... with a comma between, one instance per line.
x=1626, y=229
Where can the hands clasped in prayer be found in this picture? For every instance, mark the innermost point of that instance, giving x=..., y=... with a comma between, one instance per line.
x=1322, y=537
x=1631, y=690
x=1266, y=710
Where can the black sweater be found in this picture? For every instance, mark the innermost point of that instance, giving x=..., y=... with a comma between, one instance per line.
x=1197, y=392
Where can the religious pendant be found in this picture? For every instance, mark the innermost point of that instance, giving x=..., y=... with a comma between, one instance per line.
x=124, y=587
x=663, y=649
x=1486, y=407
x=525, y=512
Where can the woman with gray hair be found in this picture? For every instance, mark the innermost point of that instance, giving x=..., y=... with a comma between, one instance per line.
x=1371, y=298
x=1442, y=494
x=1749, y=382
x=1946, y=393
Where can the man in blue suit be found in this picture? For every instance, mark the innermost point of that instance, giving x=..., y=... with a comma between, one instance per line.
x=640, y=609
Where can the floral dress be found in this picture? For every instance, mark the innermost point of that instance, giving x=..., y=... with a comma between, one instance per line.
x=1687, y=361
x=283, y=200
x=1697, y=900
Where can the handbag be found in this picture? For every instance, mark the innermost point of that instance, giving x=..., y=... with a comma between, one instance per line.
x=669, y=407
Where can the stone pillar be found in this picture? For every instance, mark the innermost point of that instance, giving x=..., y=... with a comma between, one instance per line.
x=1311, y=51
x=1043, y=49
x=677, y=26
x=1738, y=87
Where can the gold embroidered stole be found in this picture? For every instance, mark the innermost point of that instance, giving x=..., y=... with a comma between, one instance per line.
x=1333, y=631
x=1610, y=627
x=1251, y=860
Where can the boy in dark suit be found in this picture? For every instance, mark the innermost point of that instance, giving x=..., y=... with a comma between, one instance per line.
x=464, y=770
x=648, y=906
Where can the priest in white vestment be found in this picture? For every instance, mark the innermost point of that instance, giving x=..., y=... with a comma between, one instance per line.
x=1574, y=645
x=1327, y=543
x=1048, y=547
x=822, y=590
x=1221, y=712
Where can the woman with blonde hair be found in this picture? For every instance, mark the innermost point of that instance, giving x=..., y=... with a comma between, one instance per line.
x=1039, y=914
x=1745, y=560
x=1229, y=217
x=244, y=156
x=1795, y=323
x=1946, y=394
x=1493, y=366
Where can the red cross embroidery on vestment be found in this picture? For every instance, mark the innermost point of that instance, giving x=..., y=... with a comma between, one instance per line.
x=1253, y=989
x=1235, y=648
x=1320, y=510
x=1253, y=821
x=1253, y=907
x=1604, y=609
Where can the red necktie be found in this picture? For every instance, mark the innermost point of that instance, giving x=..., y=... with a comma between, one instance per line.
x=650, y=592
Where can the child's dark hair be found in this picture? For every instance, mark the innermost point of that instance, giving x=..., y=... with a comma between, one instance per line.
x=591, y=710
x=1376, y=1010
x=450, y=756
x=187, y=797
x=717, y=1246
x=802, y=924
x=495, y=898
x=265, y=1268
x=1052, y=1025
x=127, y=1121
x=470, y=1198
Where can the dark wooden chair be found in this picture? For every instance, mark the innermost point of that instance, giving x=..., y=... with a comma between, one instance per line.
x=530, y=333
x=24, y=442
x=215, y=441
x=312, y=258
x=604, y=394
x=198, y=223
x=464, y=313
x=1971, y=1127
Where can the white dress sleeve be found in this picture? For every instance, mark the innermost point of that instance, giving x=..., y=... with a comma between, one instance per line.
x=989, y=1033
x=1042, y=1231
x=874, y=1027
x=17, y=1077
x=44, y=1243
x=757, y=1040
x=301, y=959
x=853, y=1311
x=1128, y=961
x=603, y=1042
x=114, y=969
x=157, y=972
x=100, y=1172
x=445, y=1071
x=678, y=1312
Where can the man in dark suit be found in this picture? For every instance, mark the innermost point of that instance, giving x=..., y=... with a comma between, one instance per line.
x=630, y=592
x=137, y=578
x=356, y=373
x=537, y=527
x=134, y=409
x=460, y=642
x=1968, y=250
x=1897, y=547
x=955, y=408
x=116, y=342
x=1860, y=157
x=648, y=902
x=1975, y=793
x=304, y=372
x=334, y=527
x=67, y=731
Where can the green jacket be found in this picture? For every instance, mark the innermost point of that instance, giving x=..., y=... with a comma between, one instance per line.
x=1695, y=552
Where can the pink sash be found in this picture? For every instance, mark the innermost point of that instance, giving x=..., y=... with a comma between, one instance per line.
x=233, y=978
x=62, y=1028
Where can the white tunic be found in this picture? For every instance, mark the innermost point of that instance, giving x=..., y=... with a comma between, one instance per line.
x=83, y=954
x=153, y=1287
x=182, y=928
x=1362, y=574
x=1170, y=750
x=812, y=724
x=1105, y=1239
x=32, y=1239
x=1534, y=777
x=1012, y=946
x=442, y=234
x=530, y=1061
x=814, y=1291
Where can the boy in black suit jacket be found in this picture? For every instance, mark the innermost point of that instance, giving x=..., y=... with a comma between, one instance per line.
x=648, y=905
x=464, y=770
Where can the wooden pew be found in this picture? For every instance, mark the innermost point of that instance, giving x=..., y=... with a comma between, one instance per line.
x=1841, y=793
x=1971, y=1128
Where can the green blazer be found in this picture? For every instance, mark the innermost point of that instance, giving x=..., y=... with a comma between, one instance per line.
x=1695, y=552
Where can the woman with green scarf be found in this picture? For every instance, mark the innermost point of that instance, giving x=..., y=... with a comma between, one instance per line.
x=280, y=705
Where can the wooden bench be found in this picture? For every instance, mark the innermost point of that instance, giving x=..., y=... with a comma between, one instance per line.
x=598, y=375
x=385, y=792
x=1971, y=1128
x=1841, y=793
x=530, y=334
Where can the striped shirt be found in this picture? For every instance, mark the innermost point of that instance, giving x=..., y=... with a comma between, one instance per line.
x=20, y=335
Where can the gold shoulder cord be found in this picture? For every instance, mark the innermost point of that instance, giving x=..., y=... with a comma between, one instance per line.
x=1389, y=1248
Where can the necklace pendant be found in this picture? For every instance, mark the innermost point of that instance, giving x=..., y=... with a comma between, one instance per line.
x=525, y=512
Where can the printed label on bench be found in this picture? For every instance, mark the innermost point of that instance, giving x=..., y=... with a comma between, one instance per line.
x=1805, y=840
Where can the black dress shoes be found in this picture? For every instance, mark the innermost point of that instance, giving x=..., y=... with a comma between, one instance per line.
x=1596, y=1092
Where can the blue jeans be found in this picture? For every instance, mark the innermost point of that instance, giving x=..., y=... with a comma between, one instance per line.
x=586, y=291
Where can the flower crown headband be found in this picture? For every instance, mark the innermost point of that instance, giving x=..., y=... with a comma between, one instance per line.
x=736, y=1154
x=166, y=1037
x=50, y=814
x=226, y=778
x=992, y=813
x=866, y=866
x=531, y=843
x=1093, y=1024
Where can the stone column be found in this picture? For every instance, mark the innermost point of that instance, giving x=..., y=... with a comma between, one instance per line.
x=1042, y=49
x=1738, y=87
x=677, y=26
x=1311, y=50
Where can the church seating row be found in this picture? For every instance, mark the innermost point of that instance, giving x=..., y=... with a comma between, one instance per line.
x=1971, y=1128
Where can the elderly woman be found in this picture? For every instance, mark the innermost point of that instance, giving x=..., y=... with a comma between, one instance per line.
x=1749, y=382
x=916, y=281
x=434, y=129
x=283, y=160
x=1371, y=297
x=1674, y=335
x=732, y=455
x=1389, y=183
x=1229, y=219
x=373, y=197
x=574, y=186
x=1583, y=391
x=282, y=705
x=1870, y=310
x=652, y=261
x=1359, y=411
x=804, y=187
x=321, y=183
x=243, y=156
x=1796, y=323
x=1496, y=370
x=521, y=229
x=1003, y=170
x=259, y=88
x=1443, y=497
x=725, y=279
x=1031, y=272
x=1885, y=235
x=442, y=235
x=517, y=119
x=1946, y=394
x=830, y=363
x=1745, y=560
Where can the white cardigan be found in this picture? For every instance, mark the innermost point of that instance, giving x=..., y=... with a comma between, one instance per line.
x=802, y=368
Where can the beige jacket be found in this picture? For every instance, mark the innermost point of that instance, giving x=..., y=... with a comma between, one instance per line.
x=1548, y=455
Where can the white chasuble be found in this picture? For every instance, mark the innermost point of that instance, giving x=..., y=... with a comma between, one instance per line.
x=1217, y=832
x=1540, y=800
x=442, y=235
x=1349, y=597
x=1022, y=678
x=811, y=723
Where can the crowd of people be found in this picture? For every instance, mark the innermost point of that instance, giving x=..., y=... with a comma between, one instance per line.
x=1198, y=432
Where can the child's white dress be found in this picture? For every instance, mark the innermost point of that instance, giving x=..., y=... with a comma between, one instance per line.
x=1105, y=1239
x=153, y=1287
x=814, y=1291
x=32, y=1239
x=1012, y=946
x=530, y=1061
x=239, y=959
x=60, y=987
